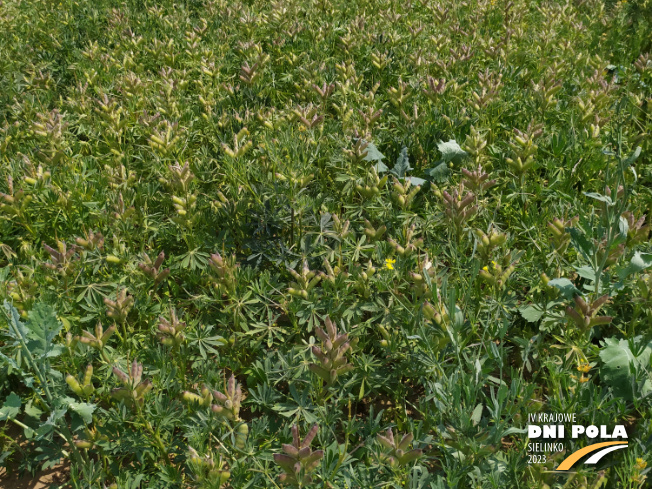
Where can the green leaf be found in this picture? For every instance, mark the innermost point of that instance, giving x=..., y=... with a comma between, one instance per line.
x=586, y=272
x=416, y=180
x=11, y=407
x=43, y=326
x=639, y=261
x=580, y=243
x=374, y=155
x=439, y=173
x=565, y=286
x=451, y=151
x=621, y=365
x=633, y=157
x=83, y=409
x=477, y=414
x=402, y=165
x=531, y=313
x=602, y=198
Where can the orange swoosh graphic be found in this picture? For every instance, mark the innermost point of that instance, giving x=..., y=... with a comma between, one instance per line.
x=575, y=456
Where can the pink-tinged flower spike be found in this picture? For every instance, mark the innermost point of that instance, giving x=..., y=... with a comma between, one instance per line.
x=134, y=389
x=331, y=356
x=299, y=460
x=395, y=450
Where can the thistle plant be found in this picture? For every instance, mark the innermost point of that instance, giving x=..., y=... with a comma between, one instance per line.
x=396, y=451
x=333, y=362
x=299, y=460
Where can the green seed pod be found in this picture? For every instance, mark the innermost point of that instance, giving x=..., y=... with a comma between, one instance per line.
x=74, y=385
x=241, y=436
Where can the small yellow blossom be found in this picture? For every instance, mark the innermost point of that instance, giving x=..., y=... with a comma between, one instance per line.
x=640, y=464
x=585, y=367
x=486, y=269
x=389, y=263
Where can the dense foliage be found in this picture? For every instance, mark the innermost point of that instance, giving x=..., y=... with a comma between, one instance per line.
x=323, y=243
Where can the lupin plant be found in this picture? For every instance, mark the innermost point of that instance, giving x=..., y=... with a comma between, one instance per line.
x=299, y=460
x=259, y=129
x=488, y=242
x=98, y=340
x=459, y=207
x=134, y=387
x=85, y=388
x=227, y=403
x=373, y=184
x=240, y=146
x=333, y=362
x=306, y=280
x=410, y=246
x=584, y=314
x=120, y=307
x=153, y=268
x=403, y=195
x=560, y=237
x=523, y=150
x=224, y=269
x=496, y=273
x=477, y=180
x=171, y=332
x=206, y=471
x=397, y=451
x=61, y=259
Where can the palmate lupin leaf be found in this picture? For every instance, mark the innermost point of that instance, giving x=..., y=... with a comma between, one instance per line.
x=331, y=356
x=299, y=460
x=396, y=452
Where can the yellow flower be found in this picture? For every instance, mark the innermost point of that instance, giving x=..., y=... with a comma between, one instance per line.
x=585, y=367
x=486, y=269
x=640, y=464
x=389, y=263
